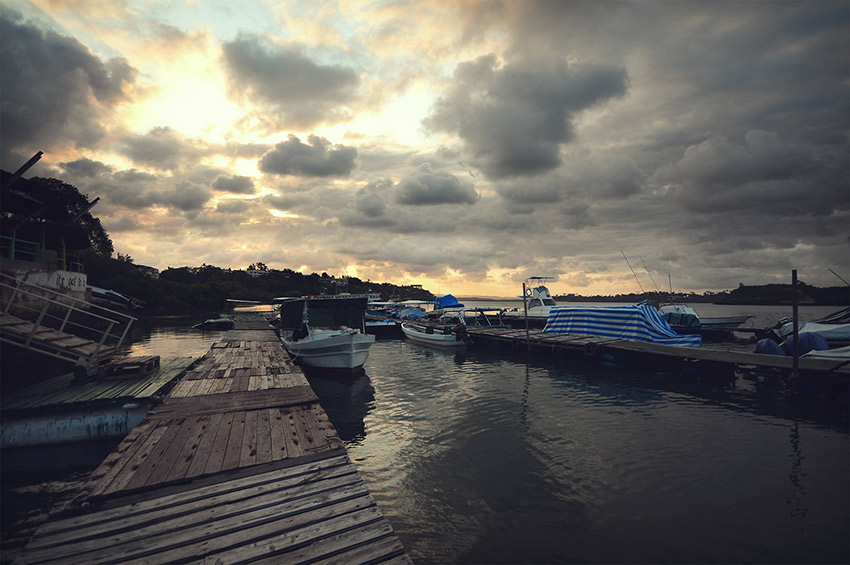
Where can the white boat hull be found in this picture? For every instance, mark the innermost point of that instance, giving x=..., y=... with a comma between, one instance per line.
x=419, y=334
x=341, y=351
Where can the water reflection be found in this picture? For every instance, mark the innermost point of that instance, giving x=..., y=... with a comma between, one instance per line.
x=347, y=400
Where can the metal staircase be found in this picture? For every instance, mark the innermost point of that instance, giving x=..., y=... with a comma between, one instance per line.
x=49, y=322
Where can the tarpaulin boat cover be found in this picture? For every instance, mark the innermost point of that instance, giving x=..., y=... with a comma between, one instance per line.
x=638, y=322
x=447, y=301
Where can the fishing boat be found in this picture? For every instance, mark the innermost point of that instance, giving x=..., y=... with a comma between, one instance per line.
x=326, y=332
x=683, y=316
x=537, y=302
x=440, y=336
x=445, y=304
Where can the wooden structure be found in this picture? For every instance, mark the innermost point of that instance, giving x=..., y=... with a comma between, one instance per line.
x=594, y=347
x=64, y=408
x=239, y=463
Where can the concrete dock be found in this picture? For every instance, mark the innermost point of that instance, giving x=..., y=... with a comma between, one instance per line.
x=239, y=463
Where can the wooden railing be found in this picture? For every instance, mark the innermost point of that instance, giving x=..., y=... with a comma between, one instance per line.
x=48, y=311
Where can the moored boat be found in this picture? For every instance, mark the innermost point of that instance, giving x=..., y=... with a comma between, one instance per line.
x=443, y=336
x=326, y=332
x=538, y=302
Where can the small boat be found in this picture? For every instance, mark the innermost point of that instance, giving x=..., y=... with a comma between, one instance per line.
x=326, y=332
x=108, y=298
x=214, y=324
x=538, y=302
x=834, y=328
x=444, y=336
x=683, y=316
x=444, y=305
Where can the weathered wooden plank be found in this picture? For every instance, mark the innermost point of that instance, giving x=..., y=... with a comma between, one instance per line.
x=230, y=460
x=277, y=434
x=250, y=532
x=134, y=463
x=202, y=452
x=367, y=544
x=209, y=491
x=264, y=431
x=156, y=458
x=248, y=456
x=219, y=446
x=118, y=459
x=290, y=435
x=326, y=522
x=288, y=497
x=249, y=400
x=173, y=452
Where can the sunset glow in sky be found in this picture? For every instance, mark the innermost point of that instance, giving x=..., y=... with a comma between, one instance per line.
x=463, y=146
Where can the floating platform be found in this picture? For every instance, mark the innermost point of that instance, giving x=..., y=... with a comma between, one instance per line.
x=66, y=409
x=239, y=463
x=837, y=371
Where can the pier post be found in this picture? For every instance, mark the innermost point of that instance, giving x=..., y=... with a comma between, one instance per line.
x=795, y=307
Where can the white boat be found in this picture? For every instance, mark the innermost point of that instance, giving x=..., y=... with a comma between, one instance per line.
x=537, y=300
x=835, y=328
x=683, y=316
x=444, y=305
x=326, y=332
x=430, y=335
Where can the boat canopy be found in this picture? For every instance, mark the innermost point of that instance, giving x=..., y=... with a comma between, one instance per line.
x=447, y=301
x=323, y=313
x=638, y=322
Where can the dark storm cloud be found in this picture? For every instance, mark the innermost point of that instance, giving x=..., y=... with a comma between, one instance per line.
x=236, y=184
x=49, y=84
x=759, y=173
x=318, y=159
x=427, y=187
x=513, y=119
x=303, y=91
x=86, y=168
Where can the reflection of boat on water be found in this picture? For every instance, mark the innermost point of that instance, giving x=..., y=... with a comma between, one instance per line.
x=346, y=401
x=444, y=336
x=537, y=300
x=326, y=332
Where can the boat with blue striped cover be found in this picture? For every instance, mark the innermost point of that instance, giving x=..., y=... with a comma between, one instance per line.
x=637, y=322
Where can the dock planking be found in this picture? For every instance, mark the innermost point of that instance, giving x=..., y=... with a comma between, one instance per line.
x=594, y=346
x=238, y=463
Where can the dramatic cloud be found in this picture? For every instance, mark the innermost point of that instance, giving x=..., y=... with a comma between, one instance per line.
x=427, y=187
x=55, y=91
x=235, y=184
x=302, y=91
x=474, y=143
x=318, y=159
x=513, y=119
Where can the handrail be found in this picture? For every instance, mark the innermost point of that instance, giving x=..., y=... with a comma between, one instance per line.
x=25, y=296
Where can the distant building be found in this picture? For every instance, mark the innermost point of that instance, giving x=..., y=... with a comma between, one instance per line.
x=148, y=271
x=254, y=273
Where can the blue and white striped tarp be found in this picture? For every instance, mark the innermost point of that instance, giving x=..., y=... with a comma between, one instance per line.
x=638, y=322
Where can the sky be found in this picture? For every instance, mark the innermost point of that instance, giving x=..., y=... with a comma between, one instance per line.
x=463, y=146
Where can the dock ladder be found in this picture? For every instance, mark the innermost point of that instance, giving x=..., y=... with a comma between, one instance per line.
x=49, y=322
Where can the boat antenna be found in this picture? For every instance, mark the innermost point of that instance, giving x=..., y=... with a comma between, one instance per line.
x=837, y=275
x=658, y=290
x=642, y=291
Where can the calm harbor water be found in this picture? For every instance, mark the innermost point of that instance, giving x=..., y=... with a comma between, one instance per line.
x=484, y=456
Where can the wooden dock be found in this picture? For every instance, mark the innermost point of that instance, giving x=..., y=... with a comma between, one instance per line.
x=629, y=350
x=238, y=464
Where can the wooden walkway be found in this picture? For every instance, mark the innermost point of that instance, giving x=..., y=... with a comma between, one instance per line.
x=638, y=350
x=239, y=463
